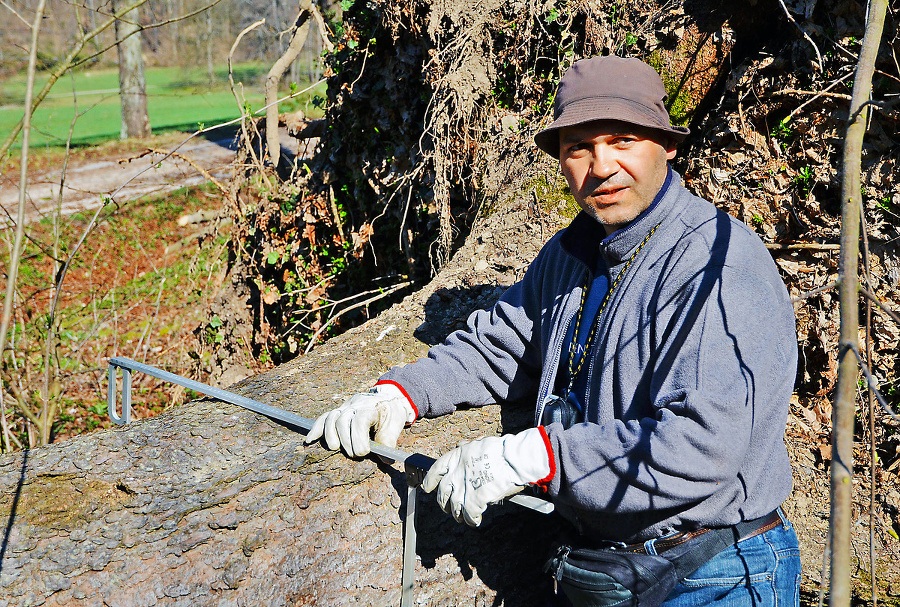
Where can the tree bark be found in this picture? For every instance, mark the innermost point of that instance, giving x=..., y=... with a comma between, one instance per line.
x=132, y=82
x=210, y=73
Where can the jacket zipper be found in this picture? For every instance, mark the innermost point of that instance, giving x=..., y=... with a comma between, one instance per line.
x=562, y=555
x=599, y=320
x=548, y=386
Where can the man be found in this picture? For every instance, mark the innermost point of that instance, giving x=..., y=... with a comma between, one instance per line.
x=658, y=343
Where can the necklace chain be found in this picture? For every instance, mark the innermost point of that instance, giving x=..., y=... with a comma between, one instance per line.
x=573, y=369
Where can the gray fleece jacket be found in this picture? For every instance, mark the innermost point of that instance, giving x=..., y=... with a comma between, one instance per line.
x=689, y=380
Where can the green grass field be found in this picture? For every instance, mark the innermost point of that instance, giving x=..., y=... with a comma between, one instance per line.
x=176, y=100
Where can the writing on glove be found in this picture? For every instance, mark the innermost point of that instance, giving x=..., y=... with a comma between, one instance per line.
x=485, y=471
x=384, y=409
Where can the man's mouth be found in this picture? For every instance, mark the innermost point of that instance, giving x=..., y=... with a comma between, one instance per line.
x=608, y=194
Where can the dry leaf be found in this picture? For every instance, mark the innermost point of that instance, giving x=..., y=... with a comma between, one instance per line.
x=270, y=295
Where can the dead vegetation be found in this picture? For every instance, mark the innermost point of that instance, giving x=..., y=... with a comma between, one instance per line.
x=138, y=289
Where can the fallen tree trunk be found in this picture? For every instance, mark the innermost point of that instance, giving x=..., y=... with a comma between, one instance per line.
x=209, y=504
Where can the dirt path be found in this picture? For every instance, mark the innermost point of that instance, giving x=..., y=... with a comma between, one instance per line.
x=89, y=180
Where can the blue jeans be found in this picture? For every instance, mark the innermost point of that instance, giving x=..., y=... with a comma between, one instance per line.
x=763, y=571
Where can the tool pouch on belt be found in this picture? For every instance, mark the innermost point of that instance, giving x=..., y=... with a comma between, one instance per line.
x=603, y=578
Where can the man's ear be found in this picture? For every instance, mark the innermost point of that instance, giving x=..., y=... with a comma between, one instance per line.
x=671, y=148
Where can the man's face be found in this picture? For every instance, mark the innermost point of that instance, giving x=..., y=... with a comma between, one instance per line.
x=614, y=169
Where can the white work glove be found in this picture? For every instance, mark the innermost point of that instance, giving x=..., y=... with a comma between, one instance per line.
x=383, y=408
x=484, y=471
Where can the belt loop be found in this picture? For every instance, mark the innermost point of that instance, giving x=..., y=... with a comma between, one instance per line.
x=650, y=546
x=784, y=520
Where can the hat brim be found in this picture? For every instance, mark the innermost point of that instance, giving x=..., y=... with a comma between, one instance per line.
x=586, y=110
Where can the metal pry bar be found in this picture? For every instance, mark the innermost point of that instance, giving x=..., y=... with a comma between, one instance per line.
x=127, y=365
x=415, y=464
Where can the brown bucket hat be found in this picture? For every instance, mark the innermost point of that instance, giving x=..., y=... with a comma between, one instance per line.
x=609, y=88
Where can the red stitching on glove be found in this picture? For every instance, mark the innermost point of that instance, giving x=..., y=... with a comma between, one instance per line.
x=393, y=383
x=544, y=483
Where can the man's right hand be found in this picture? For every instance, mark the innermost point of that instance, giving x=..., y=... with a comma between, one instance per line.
x=383, y=408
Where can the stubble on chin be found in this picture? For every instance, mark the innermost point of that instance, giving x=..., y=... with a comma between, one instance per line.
x=610, y=223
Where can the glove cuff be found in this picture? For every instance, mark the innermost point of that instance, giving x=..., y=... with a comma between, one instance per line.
x=389, y=387
x=530, y=455
x=544, y=483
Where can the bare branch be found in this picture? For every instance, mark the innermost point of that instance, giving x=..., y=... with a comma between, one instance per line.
x=70, y=62
x=883, y=306
x=824, y=91
x=815, y=246
x=298, y=39
x=872, y=384
x=382, y=295
x=13, y=11
x=291, y=96
x=320, y=22
x=13, y=269
x=51, y=369
x=20, y=400
x=240, y=101
x=813, y=292
x=197, y=167
x=873, y=455
x=141, y=28
x=815, y=93
x=805, y=35
x=845, y=393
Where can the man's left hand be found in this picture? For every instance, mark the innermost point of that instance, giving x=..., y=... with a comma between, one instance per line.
x=484, y=471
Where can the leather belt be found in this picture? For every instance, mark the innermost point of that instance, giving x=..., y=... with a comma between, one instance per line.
x=766, y=523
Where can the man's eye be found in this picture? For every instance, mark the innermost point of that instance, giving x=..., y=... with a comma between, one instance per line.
x=624, y=141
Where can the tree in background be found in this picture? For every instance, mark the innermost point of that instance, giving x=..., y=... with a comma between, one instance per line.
x=132, y=83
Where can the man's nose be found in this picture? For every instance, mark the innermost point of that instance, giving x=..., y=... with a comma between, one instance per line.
x=603, y=163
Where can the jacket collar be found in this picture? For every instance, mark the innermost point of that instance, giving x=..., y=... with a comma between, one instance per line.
x=584, y=234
